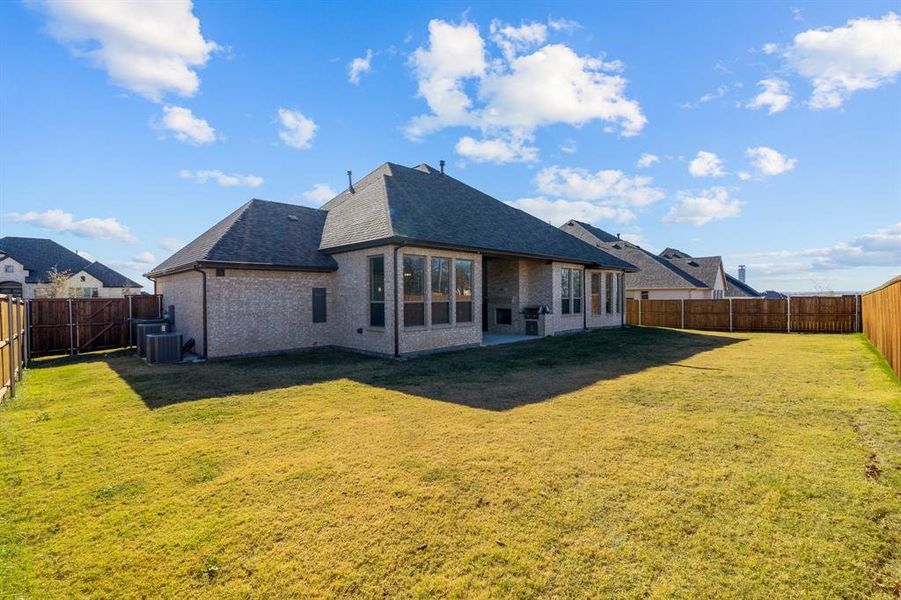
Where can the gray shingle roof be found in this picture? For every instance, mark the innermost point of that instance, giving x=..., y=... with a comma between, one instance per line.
x=401, y=204
x=736, y=289
x=704, y=268
x=654, y=273
x=40, y=255
x=259, y=233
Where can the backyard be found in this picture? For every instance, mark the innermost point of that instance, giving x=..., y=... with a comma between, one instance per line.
x=634, y=462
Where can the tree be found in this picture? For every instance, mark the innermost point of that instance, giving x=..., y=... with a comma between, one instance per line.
x=58, y=286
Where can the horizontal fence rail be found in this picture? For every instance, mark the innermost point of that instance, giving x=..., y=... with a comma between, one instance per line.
x=73, y=325
x=13, y=343
x=801, y=314
x=882, y=321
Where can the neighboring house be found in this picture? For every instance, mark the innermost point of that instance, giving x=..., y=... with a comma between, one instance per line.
x=672, y=274
x=407, y=260
x=25, y=265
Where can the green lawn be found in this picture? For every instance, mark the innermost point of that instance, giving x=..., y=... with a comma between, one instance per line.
x=629, y=463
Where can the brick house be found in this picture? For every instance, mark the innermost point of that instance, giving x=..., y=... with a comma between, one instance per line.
x=25, y=265
x=405, y=261
x=672, y=274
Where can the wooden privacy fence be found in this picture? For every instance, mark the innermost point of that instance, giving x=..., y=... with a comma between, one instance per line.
x=882, y=321
x=802, y=314
x=12, y=343
x=73, y=325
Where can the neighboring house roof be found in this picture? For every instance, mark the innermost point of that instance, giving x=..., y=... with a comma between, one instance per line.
x=258, y=234
x=40, y=255
x=654, y=272
x=397, y=204
x=736, y=288
x=703, y=268
x=674, y=253
x=774, y=295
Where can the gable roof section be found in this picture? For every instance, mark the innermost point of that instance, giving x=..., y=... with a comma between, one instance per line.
x=654, y=273
x=259, y=234
x=420, y=205
x=704, y=268
x=40, y=255
x=735, y=288
x=674, y=253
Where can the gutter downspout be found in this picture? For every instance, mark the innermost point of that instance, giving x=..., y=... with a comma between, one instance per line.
x=203, y=275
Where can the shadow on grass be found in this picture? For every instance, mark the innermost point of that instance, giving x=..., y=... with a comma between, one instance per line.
x=492, y=378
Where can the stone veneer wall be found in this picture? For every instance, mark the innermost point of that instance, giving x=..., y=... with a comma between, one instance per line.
x=185, y=292
x=433, y=337
x=256, y=311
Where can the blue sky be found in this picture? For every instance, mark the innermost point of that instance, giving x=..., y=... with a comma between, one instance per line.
x=772, y=130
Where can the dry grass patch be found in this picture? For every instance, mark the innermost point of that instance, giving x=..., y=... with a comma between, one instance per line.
x=634, y=462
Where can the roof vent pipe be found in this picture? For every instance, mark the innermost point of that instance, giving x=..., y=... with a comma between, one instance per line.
x=441, y=164
x=617, y=237
x=350, y=182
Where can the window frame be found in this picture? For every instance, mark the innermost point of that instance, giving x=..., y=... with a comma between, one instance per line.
x=576, y=297
x=608, y=294
x=596, y=286
x=446, y=303
x=565, y=290
x=412, y=316
x=315, y=293
x=463, y=300
x=373, y=300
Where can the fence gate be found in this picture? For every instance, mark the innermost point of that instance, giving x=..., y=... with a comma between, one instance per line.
x=73, y=325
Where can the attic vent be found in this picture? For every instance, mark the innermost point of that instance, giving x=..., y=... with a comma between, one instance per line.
x=693, y=263
x=617, y=246
x=292, y=217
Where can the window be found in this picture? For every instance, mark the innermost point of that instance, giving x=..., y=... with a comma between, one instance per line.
x=577, y=291
x=376, y=291
x=608, y=304
x=9, y=269
x=566, y=287
x=85, y=292
x=463, y=290
x=503, y=316
x=318, y=305
x=440, y=291
x=645, y=295
x=595, y=293
x=414, y=290
x=82, y=278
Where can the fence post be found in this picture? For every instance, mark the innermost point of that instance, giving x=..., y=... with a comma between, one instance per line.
x=129, y=318
x=11, y=346
x=71, y=330
x=639, y=311
x=730, y=314
x=683, y=313
x=788, y=313
x=27, y=329
x=857, y=313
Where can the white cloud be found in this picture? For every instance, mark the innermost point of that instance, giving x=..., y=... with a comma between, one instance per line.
x=563, y=24
x=522, y=90
x=770, y=48
x=703, y=207
x=150, y=48
x=706, y=164
x=497, y=150
x=646, y=160
x=744, y=175
x=558, y=212
x=297, y=130
x=144, y=258
x=185, y=126
x=770, y=162
x=359, y=66
x=863, y=54
x=775, y=96
x=720, y=91
x=63, y=222
x=881, y=248
x=609, y=187
x=221, y=178
x=515, y=40
x=171, y=244
x=85, y=255
x=319, y=194
x=569, y=147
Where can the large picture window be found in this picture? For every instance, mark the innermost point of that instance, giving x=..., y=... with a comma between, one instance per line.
x=377, y=291
x=609, y=298
x=440, y=291
x=566, y=291
x=414, y=290
x=595, y=293
x=463, y=290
